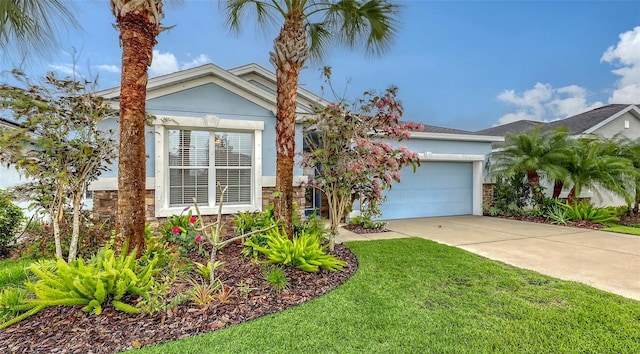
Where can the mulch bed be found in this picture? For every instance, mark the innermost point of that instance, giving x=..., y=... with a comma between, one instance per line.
x=580, y=224
x=359, y=229
x=69, y=330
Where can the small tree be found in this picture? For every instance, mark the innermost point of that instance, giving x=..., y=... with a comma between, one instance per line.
x=58, y=144
x=348, y=146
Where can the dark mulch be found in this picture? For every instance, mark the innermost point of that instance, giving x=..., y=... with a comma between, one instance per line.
x=581, y=224
x=630, y=220
x=69, y=330
x=359, y=229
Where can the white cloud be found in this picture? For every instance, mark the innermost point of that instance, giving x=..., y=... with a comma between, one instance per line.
x=66, y=69
x=545, y=103
x=108, y=68
x=165, y=63
x=626, y=55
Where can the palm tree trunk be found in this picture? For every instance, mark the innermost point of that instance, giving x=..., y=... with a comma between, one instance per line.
x=137, y=36
x=557, y=189
x=534, y=181
x=572, y=195
x=290, y=53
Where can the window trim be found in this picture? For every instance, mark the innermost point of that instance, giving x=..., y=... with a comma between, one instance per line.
x=212, y=123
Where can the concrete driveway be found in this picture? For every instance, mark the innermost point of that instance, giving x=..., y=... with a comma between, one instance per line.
x=604, y=260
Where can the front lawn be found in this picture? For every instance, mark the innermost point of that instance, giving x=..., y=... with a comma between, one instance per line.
x=414, y=295
x=622, y=229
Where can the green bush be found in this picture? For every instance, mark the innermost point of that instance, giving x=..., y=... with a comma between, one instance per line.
x=588, y=212
x=510, y=195
x=95, y=232
x=304, y=252
x=11, y=218
x=366, y=222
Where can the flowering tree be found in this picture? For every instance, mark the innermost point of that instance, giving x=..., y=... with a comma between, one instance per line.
x=349, y=148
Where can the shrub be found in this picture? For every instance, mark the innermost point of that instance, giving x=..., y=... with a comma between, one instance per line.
x=11, y=218
x=180, y=230
x=304, y=252
x=510, y=195
x=558, y=215
x=588, y=212
x=366, y=222
x=95, y=232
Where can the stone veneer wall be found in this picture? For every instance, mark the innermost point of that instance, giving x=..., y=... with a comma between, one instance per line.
x=487, y=195
x=105, y=204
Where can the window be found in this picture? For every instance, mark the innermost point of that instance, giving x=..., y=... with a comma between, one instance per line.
x=190, y=166
x=194, y=157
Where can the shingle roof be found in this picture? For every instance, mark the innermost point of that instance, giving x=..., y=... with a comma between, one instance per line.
x=513, y=127
x=577, y=124
x=584, y=121
x=435, y=129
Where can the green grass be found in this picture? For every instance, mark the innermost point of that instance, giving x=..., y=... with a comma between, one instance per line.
x=13, y=272
x=629, y=230
x=416, y=296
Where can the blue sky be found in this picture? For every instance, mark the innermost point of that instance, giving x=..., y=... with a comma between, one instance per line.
x=460, y=64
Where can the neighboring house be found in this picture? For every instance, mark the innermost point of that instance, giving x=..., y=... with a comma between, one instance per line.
x=214, y=125
x=607, y=121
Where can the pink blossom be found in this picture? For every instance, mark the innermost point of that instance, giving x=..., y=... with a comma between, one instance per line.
x=193, y=219
x=176, y=230
x=198, y=239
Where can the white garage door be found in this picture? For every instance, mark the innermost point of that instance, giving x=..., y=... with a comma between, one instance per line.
x=435, y=189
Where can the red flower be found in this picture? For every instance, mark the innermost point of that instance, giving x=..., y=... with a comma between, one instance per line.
x=198, y=238
x=193, y=219
x=176, y=230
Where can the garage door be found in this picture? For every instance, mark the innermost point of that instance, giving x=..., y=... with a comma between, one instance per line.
x=435, y=189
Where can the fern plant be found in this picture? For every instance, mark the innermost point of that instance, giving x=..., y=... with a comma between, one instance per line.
x=304, y=252
x=105, y=276
x=588, y=212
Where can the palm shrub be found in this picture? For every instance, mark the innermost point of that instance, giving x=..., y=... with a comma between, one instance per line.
x=304, y=252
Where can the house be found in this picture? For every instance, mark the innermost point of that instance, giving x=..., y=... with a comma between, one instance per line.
x=606, y=121
x=214, y=125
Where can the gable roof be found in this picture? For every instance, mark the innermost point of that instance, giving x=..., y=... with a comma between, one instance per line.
x=583, y=123
x=588, y=121
x=211, y=73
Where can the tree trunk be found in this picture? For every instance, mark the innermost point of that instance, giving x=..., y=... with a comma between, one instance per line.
x=75, y=229
x=557, y=189
x=137, y=36
x=290, y=53
x=572, y=195
x=55, y=222
x=534, y=182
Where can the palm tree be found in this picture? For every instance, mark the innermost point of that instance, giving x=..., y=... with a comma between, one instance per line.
x=595, y=163
x=534, y=152
x=308, y=27
x=139, y=25
x=29, y=25
x=630, y=149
